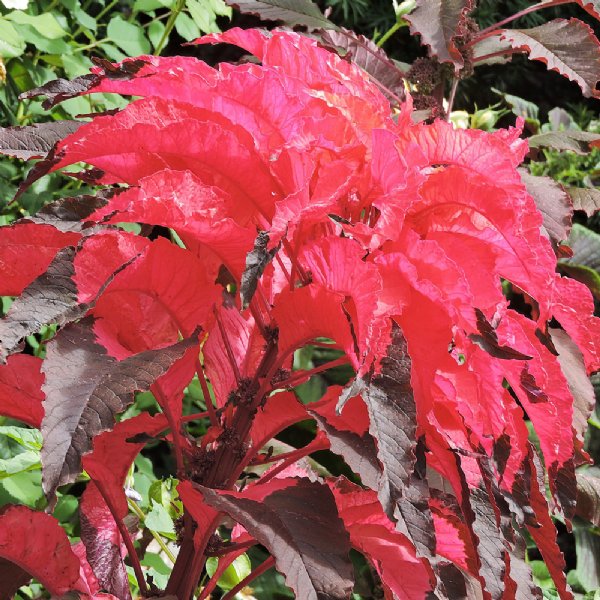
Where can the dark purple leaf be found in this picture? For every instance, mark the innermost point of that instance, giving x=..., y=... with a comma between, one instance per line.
x=359, y=451
x=573, y=140
x=402, y=488
x=58, y=90
x=34, y=141
x=369, y=57
x=300, y=527
x=554, y=204
x=568, y=47
x=437, y=22
x=69, y=214
x=85, y=388
x=588, y=498
x=256, y=262
x=585, y=199
x=290, y=12
x=102, y=540
x=571, y=363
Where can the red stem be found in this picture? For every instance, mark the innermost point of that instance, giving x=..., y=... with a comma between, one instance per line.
x=194, y=417
x=157, y=391
x=517, y=15
x=299, y=377
x=206, y=393
x=235, y=548
x=265, y=566
x=292, y=457
x=228, y=349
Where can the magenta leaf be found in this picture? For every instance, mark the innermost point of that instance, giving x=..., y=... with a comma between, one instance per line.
x=568, y=47
x=297, y=521
x=82, y=400
x=34, y=141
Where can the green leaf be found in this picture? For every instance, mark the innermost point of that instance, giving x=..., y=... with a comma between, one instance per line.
x=202, y=16
x=12, y=43
x=158, y=519
x=127, y=36
x=26, y=461
x=45, y=24
x=28, y=438
x=24, y=488
x=76, y=65
x=66, y=508
x=149, y=5
x=51, y=46
x=220, y=8
x=239, y=569
x=82, y=18
x=156, y=30
x=157, y=569
x=186, y=28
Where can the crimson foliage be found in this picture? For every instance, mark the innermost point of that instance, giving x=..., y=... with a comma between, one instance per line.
x=308, y=213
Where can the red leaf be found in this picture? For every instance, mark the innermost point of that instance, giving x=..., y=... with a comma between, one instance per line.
x=373, y=534
x=112, y=455
x=568, y=47
x=35, y=542
x=21, y=395
x=26, y=250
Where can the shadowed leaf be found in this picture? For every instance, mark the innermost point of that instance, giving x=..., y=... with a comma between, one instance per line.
x=85, y=388
x=437, y=21
x=290, y=12
x=554, y=204
x=588, y=498
x=34, y=141
x=488, y=340
x=576, y=141
x=584, y=265
x=299, y=524
x=585, y=199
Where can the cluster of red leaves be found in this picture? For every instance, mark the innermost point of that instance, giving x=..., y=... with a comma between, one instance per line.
x=292, y=182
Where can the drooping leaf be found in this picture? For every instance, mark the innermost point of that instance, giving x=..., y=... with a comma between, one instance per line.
x=297, y=521
x=554, y=204
x=256, y=262
x=588, y=498
x=437, y=22
x=573, y=367
x=585, y=199
x=568, y=47
x=36, y=544
x=34, y=141
x=103, y=543
x=573, y=140
x=290, y=12
x=584, y=265
x=82, y=400
x=20, y=389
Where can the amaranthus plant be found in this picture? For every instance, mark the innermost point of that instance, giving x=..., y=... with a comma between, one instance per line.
x=289, y=206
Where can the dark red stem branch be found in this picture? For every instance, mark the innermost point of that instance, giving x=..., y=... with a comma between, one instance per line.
x=214, y=420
